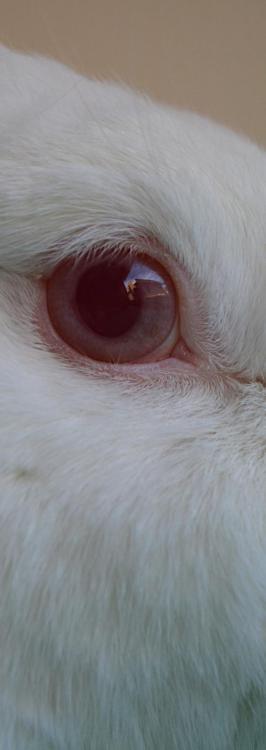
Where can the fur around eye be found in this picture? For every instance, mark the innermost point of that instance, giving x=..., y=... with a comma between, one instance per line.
x=132, y=421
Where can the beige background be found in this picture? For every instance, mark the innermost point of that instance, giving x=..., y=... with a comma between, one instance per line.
x=207, y=55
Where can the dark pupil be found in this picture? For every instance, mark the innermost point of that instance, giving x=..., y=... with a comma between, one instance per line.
x=107, y=302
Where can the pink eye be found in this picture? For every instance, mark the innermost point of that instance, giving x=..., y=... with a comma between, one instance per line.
x=118, y=310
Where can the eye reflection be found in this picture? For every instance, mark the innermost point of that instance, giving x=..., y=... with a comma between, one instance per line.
x=119, y=310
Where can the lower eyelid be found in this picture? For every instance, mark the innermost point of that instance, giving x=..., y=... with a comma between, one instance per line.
x=179, y=356
x=180, y=361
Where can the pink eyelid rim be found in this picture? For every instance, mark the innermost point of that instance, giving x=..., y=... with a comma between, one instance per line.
x=181, y=359
x=180, y=356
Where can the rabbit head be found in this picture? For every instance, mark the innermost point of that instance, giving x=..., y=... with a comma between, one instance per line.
x=132, y=454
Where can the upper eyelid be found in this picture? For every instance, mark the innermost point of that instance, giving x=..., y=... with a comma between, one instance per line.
x=76, y=247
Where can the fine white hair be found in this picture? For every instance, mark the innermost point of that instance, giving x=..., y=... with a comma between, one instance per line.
x=132, y=511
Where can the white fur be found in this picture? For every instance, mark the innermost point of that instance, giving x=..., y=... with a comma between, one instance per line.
x=132, y=513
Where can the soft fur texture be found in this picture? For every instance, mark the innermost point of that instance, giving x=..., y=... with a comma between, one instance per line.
x=132, y=510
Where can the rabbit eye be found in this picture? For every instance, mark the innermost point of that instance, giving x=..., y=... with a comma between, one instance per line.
x=121, y=310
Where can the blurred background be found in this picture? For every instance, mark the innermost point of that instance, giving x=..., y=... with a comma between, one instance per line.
x=205, y=55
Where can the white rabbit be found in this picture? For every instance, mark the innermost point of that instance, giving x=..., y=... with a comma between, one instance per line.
x=132, y=480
